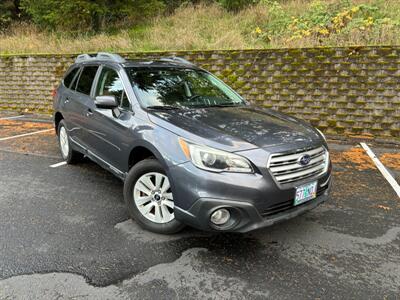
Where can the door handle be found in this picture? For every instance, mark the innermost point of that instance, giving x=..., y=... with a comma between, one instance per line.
x=89, y=112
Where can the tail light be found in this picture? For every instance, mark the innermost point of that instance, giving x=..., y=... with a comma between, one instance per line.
x=54, y=92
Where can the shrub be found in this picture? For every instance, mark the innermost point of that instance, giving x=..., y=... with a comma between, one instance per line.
x=278, y=18
x=172, y=5
x=236, y=5
x=323, y=21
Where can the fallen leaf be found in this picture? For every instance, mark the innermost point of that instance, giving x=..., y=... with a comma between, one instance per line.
x=383, y=207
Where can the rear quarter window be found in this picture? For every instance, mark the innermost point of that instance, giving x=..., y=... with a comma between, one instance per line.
x=70, y=77
x=86, y=79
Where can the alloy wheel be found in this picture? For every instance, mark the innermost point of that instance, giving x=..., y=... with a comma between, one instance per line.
x=64, y=143
x=153, y=197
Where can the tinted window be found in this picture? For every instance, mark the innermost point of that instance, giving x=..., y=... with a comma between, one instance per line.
x=68, y=79
x=110, y=84
x=86, y=79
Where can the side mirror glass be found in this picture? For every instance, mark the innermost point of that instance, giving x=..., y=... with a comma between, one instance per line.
x=108, y=102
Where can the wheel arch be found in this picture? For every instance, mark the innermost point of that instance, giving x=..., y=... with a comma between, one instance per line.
x=57, y=119
x=143, y=150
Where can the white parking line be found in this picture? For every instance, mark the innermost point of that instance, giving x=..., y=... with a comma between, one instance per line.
x=383, y=169
x=25, y=134
x=13, y=117
x=63, y=163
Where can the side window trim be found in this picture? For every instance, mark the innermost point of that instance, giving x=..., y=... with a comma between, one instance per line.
x=95, y=82
x=131, y=103
x=74, y=82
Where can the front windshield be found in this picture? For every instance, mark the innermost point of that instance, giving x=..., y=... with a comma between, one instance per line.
x=180, y=88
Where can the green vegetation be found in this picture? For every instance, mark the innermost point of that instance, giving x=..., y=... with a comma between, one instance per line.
x=9, y=11
x=38, y=26
x=95, y=16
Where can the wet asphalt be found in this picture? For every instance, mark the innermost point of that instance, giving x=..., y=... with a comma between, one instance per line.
x=65, y=234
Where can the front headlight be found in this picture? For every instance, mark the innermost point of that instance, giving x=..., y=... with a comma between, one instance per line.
x=320, y=132
x=214, y=160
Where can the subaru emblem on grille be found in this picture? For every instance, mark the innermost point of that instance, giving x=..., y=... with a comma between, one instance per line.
x=304, y=160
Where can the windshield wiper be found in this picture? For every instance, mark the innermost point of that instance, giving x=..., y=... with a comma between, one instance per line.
x=228, y=104
x=163, y=107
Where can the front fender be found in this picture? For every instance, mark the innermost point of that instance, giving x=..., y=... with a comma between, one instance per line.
x=159, y=140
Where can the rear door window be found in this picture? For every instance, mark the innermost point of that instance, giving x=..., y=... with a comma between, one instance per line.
x=70, y=77
x=86, y=79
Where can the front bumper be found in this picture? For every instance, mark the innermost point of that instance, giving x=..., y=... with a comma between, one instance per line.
x=246, y=216
x=254, y=200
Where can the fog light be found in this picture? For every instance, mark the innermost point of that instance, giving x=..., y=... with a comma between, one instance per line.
x=220, y=216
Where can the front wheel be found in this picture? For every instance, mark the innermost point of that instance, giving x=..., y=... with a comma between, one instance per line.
x=149, y=198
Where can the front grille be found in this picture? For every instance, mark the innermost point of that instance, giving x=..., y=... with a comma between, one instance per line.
x=286, y=167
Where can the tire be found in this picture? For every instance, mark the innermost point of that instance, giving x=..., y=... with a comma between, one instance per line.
x=67, y=153
x=146, y=188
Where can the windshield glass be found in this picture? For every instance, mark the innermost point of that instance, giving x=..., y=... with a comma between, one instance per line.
x=180, y=88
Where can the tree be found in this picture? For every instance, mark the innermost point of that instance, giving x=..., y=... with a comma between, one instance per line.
x=88, y=15
x=9, y=10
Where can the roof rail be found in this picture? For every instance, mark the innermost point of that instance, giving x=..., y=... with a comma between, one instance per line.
x=83, y=57
x=176, y=59
x=110, y=56
x=100, y=56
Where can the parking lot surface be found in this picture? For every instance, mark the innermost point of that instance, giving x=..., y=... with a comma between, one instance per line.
x=65, y=233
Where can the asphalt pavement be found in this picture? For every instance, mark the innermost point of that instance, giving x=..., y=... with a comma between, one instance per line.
x=65, y=234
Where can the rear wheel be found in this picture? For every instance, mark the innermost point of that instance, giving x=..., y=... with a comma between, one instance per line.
x=69, y=155
x=149, y=197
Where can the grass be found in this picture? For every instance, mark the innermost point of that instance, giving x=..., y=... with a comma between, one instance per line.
x=287, y=24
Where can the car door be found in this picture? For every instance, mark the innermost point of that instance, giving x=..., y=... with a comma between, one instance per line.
x=80, y=105
x=67, y=100
x=109, y=132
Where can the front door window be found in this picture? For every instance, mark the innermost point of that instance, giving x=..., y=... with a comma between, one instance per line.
x=110, y=84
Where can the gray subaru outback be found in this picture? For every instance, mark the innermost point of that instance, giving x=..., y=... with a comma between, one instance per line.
x=189, y=149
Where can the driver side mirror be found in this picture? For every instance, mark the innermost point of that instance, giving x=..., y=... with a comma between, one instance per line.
x=108, y=102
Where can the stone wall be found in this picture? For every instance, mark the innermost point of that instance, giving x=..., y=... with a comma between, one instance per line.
x=340, y=90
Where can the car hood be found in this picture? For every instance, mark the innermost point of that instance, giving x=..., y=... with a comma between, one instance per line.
x=239, y=127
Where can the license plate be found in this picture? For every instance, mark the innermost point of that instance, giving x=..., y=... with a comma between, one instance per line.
x=305, y=193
